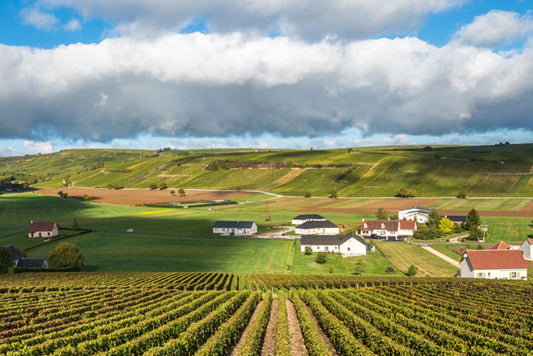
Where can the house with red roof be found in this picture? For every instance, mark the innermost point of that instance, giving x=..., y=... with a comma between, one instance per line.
x=43, y=229
x=527, y=249
x=494, y=264
x=388, y=229
x=500, y=246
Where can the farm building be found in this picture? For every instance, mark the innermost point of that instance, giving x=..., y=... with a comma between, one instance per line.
x=388, y=229
x=500, y=246
x=527, y=249
x=347, y=245
x=325, y=227
x=418, y=214
x=19, y=260
x=300, y=219
x=43, y=229
x=456, y=219
x=493, y=264
x=235, y=228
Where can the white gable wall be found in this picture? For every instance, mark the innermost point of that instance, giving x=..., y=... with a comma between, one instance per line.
x=352, y=247
x=527, y=250
x=318, y=231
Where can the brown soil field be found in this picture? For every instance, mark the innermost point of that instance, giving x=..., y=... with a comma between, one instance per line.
x=392, y=205
x=143, y=196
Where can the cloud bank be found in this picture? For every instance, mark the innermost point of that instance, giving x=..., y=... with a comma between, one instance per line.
x=217, y=85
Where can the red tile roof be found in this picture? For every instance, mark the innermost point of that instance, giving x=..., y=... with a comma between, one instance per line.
x=37, y=226
x=496, y=259
x=407, y=224
x=389, y=225
x=500, y=246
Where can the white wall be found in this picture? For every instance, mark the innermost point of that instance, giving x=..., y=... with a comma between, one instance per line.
x=491, y=273
x=318, y=231
x=352, y=247
x=526, y=249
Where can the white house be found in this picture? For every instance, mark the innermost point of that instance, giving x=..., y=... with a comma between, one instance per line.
x=300, y=219
x=347, y=245
x=388, y=229
x=325, y=227
x=43, y=229
x=418, y=214
x=527, y=249
x=494, y=264
x=235, y=228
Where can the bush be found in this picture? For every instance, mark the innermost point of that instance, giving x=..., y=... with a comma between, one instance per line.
x=308, y=251
x=162, y=186
x=427, y=233
x=66, y=255
x=406, y=193
x=5, y=260
x=308, y=194
x=321, y=258
x=87, y=197
x=181, y=192
x=153, y=186
x=461, y=195
x=390, y=270
x=412, y=270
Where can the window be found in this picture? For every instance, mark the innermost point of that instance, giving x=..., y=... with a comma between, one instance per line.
x=480, y=275
x=515, y=275
x=326, y=249
x=348, y=249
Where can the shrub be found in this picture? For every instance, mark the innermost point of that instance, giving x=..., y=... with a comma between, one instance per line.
x=308, y=194
x=412, y=270
x=461, y=195
x=5, y=260
x=406, y=193
x=66, y=255
x=162, y=186
x=390, y=270
x=321, y=258
x=308, y=251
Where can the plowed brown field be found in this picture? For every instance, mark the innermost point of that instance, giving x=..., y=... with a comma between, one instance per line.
x=143, y=196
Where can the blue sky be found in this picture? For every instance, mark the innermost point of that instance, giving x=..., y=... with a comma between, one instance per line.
x=148, y=74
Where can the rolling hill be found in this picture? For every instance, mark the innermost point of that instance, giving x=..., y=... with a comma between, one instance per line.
x=501, y=170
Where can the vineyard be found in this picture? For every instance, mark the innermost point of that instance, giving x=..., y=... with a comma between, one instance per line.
x=190, y=313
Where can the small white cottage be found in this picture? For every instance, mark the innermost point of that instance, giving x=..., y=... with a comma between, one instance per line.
x=300, y=219
x=494, y=264
x=43, y=229
x=347, y=245
x=235, y=228
x=418, y=214
x=325, y=227
x=527, y=249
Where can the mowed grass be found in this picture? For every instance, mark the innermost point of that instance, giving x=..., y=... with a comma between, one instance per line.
x=132, y=252
x=374, y=264
x=504, y=204
x=456, y=251
x=403, y=255
x=510, y=230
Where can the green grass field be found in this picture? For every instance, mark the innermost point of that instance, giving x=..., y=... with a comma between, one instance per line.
x=503, y=204
x=403, y=255
x=510, y=230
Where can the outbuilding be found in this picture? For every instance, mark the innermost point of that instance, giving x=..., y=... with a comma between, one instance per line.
x=527, y=249
x=324, y=227
x=43, y=229
x=347, y=245
x=235, y=228
x=300, y=219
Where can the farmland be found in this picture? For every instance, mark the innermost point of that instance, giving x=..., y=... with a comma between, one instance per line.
x=483, y=171
x=211, y=313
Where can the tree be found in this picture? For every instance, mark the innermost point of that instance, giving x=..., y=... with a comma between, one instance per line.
x=162, y=186
x=173, y=192
x=5, y=260
x=382, y=214
x=181, y=192
x=308, y=194
x=153, y=185
x=66, y=255
x=446, y=225
x=424, y=232
x=475, y=234
x=433, y=219
x=472, y=220
x=321, y=258
x=308, y=251
x=87, y=197
x=333, y=193
x=461, y=195
x=412, y=270
x=406, y=193
x=75, y=225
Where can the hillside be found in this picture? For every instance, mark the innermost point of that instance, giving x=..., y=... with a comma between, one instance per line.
x=503, y=170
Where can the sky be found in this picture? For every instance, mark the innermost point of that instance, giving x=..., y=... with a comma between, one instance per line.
x=263, y=74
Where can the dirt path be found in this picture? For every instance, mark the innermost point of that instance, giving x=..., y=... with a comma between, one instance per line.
x=371, y=169
x=327, y=342
x=269, y=344
x=295, y=333
x=240, y=344
x=293, y=173
x=441, y=255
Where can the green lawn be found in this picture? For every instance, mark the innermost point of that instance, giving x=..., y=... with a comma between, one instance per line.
x=403, y=255
x=455, y=251
x=131, y=252
x=374, y=263
x=510, y=230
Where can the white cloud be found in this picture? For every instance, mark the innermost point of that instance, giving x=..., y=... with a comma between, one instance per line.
x=232, y=85
x=34, y=147
x=73, y=25
x=496, y=27
x=310, y=19
x=35, y=17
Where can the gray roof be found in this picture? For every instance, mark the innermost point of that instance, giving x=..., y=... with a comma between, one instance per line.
x=32, y=263
x=332, y=240
x=316, y=224
x=15, y=253
x=309, y=216
x=234, y=224
x=455, y=218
